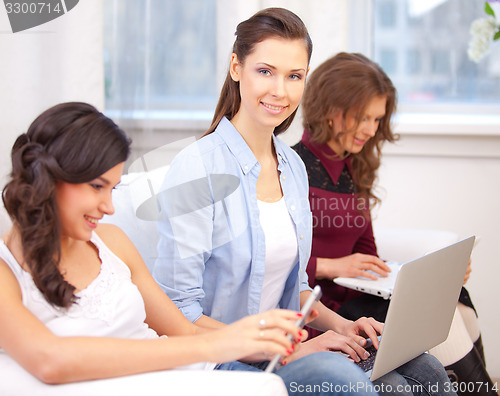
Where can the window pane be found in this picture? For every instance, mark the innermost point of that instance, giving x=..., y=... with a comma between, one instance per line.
x=413, y=61
x=160, y=55
x=422, y=45
x=386, y=14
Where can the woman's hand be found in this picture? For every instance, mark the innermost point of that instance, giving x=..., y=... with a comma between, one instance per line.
x=351, y=342
x=256, y=338
x=329, y=341
x=356, y=264
x=467, y=272
x=362, y=329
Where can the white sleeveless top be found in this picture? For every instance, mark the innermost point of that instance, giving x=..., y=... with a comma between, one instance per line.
x=111, y=306
x=281, y=250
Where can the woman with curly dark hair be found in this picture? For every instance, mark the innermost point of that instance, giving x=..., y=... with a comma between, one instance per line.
x=71, y=143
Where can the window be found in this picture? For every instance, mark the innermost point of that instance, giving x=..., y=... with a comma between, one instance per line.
x=165, y=60
x=160, y=55
x=422, y=45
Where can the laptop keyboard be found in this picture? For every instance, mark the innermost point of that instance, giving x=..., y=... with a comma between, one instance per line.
x=367, y=365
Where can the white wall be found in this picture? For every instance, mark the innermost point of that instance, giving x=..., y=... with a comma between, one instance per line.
x=56, y=62
x=52, y=63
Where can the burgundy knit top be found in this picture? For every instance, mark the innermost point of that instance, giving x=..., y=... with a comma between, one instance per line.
x=341, y=220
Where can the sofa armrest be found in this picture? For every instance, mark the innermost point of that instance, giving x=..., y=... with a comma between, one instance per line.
x=15, y=381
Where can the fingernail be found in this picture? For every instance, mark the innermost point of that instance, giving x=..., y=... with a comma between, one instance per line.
x=283, y=363
x=293, y=347
x=289, y=352
x=300, y=334
x=299, y=314
x=366, y=355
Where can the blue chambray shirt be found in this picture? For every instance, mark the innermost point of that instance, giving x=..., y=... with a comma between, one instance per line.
x=212, y=247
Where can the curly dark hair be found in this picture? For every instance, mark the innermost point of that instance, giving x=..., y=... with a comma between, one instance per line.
x=343, y=83
x=267, y=23
x=70, y=142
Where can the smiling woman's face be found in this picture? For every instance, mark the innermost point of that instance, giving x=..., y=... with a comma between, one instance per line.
x=82, y=205
x=272, y=81
x=357, y=132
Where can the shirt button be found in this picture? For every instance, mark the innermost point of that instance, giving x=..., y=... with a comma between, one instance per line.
x=245, y=167
x=283, y=177
x=301, y=236
x=292, y=207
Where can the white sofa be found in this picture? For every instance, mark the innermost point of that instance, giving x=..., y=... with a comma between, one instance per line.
x=15, y=381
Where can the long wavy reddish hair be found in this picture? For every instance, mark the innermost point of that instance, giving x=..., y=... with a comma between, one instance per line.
x=347, y=83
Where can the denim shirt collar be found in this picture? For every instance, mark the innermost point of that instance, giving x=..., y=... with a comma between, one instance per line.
x=237, y=145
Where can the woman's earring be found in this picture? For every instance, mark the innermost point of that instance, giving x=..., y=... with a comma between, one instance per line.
x=330, y=123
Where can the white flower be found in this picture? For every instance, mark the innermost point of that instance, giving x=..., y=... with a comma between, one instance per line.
x=482, y=31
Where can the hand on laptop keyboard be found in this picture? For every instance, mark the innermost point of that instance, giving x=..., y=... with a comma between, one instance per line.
x=367, y=364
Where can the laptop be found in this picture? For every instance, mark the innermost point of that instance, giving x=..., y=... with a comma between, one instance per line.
x=382, y=287
x=422, y=306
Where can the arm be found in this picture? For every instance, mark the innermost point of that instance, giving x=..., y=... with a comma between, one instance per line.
x=468, y=272
x=207, y=322
x=363, y=259
x=54, y=359
x=162, y=314
x=339, y=334
x=356, y=264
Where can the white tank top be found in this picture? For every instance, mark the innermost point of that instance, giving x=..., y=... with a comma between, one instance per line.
x=281, y=251
x=111, y=306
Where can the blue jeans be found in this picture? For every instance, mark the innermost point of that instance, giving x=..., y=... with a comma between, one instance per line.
x=321, y=373
x=327, y=373
x=424, y=375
